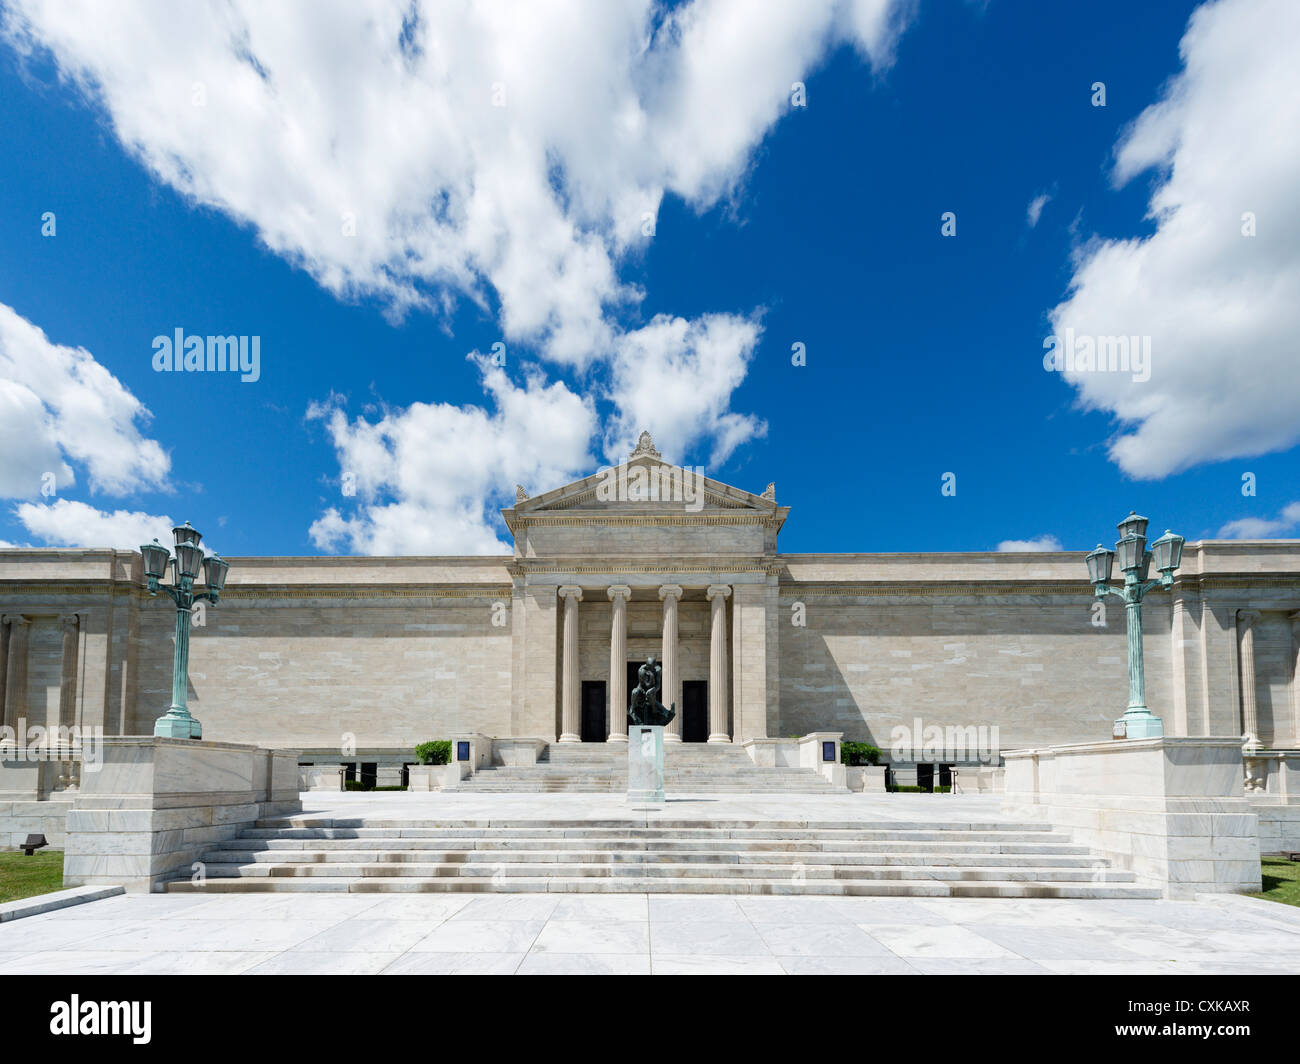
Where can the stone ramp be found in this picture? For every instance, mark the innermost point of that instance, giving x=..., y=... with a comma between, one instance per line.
x=640, y=855
x=601, y=768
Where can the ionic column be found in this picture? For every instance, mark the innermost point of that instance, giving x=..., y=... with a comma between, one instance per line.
x=16, y=672
x=618, y=595
x=4, y=668
x=1249, y=714
x=1295, y=679
x=570, y=728
x=717, y=594
x=68, y=672
x=670, y=695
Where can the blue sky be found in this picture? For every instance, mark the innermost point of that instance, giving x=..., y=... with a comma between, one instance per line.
x=772, y=225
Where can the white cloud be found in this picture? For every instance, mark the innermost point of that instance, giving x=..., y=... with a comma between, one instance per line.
x=363, y=143
x=59, y=406
x=65, y=523
x=289, y=116
x=1035, y=210
x=1025, y=546
x=1263, y=527
x=1222, y=309
x=675, y=378
x=427, y=477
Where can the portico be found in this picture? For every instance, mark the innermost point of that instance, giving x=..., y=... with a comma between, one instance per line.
x=646, y=559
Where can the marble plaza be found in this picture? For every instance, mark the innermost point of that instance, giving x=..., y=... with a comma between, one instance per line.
x=651, y=934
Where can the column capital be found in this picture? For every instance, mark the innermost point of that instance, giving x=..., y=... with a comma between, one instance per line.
x=718, y=590
x=572, y=591
x=70, y=620
x=15, y=618
x=1247, y=617
x=670, y=591
x=618, y=591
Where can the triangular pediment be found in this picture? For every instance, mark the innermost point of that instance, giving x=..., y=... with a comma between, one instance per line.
x=645, y=483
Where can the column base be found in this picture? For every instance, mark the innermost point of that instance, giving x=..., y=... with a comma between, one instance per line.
x=1141, y=726
x=569, y=737
x=672, y=738
x=719, y=737
x=177, y=727
x=617, y=739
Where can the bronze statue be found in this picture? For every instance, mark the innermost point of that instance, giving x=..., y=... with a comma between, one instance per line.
x=646, y=709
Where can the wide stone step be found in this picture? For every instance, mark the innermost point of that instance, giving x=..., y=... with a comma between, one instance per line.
x=607, y=836
x=654, y=885
x=240, y=856
x=630, y=823
x=741, y=870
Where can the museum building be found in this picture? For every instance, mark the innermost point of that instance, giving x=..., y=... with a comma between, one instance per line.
x=358, y=659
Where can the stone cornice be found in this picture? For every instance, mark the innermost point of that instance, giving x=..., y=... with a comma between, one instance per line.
x=678, y=519
x=88, y=589
x=1081, y=589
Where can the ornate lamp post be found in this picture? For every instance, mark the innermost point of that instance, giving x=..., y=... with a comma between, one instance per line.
x=177, y=722
x=1135, y=560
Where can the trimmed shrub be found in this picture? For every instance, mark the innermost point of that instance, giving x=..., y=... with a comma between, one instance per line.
x=434, y=752
x=859, y=753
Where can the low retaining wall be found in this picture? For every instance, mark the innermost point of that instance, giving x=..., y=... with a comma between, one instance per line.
x=35, y=796
x=156, y=805
x=1171, y=810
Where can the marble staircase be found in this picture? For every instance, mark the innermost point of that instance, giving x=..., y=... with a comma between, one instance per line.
x=639, y=854
x=689, y=768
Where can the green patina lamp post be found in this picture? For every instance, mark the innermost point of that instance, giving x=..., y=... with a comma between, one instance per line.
x=1135, y=560
x=177, y=722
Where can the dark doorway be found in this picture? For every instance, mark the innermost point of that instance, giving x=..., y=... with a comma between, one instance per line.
x=925, y=777
x=695, y=711
x=594, y=729
x=945, y=776
x=369, y=774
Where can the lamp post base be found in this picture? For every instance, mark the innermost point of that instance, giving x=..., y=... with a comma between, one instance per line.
x=175, y=726
x=1142, y=725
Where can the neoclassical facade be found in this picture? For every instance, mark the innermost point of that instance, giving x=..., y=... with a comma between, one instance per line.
x=374, y=655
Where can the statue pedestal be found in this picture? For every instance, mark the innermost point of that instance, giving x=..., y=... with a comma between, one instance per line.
x=645, y=763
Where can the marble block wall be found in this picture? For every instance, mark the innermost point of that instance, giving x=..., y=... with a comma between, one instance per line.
x=155, y=806
x=1170, y=810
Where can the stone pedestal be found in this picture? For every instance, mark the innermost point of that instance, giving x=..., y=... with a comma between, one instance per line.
x=645, y=763
x=820, y=751
x=156, y=806
x=1170, y=810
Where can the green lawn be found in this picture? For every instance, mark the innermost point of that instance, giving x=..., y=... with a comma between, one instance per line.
x=1281, y=881
x=24, y=877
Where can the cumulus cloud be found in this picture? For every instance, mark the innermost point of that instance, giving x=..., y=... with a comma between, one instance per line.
x=675, y=377
x=59, y=406
x=1288, y=520
x=65, y=523
x=1025, y=546
x=1222, y=308
x=425, y=152
x=426, y=478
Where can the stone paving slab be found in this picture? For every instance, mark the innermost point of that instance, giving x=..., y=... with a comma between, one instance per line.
x=648, y=933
